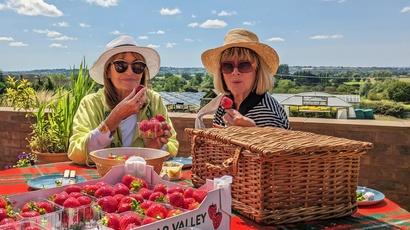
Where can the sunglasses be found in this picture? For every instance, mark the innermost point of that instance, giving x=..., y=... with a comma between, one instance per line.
x=228, y=67
x=137, y=67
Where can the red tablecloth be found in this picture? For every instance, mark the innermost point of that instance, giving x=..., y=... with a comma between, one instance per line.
x=385, y=215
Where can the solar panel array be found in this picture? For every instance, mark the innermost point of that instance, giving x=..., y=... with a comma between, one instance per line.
x=187, y=98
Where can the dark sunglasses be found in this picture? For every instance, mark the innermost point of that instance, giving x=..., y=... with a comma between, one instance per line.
x=122, y=66
x=228, y=67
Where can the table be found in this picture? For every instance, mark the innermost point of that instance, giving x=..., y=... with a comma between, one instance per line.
x=385, y=215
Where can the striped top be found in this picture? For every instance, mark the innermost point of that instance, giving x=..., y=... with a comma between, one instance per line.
x=264, y=110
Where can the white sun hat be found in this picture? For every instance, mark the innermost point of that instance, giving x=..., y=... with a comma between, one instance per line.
x=124, y=43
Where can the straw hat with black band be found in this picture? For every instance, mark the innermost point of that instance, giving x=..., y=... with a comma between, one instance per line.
x=240, y=38
x=123, y=44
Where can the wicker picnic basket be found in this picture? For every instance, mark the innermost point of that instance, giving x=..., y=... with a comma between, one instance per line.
x=280, y=176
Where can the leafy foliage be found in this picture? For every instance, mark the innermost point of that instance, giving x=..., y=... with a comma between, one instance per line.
x=19, y=94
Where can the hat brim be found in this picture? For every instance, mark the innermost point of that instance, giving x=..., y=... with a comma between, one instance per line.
x=211, y=58
x=152, y=60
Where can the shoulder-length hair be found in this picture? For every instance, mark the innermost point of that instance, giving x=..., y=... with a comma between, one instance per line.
x=264, y=78
x=111, y=95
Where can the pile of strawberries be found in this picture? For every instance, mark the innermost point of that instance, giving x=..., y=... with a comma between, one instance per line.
x=7, y=215
x=155, y=127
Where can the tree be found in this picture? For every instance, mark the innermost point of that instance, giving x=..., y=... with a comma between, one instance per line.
x=283, y=69
x=365, y=88
x=399, y=91
x=284, y=86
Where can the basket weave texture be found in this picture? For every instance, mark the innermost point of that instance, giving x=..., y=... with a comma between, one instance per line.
x=280, y=176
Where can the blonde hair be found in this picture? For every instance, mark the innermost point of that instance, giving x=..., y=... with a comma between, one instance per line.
x=264, y=78
x=111, y=96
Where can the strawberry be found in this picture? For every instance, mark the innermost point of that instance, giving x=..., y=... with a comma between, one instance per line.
x=139, y=87
x=190, y=203
x=118, y=197
x=226, y=102
x=127, y=179
x=59, y=198
x=90, y=189
x=138, y=183
x=131, y=226
x=160, y=117
x=176, y=199
x=29, y=206
x=212, y=210
x=30, y=214
x=108, y=204
x=160, y=188
x=72, y=188
x=111, y=220
x=175, y=189
x=199, y=195
x=157, y=211
x=144, y=126
x=75, y=194
x=104, y=191
x=216, y=221
x=32, y=228
x=165, y=126
x=123, y=207
x=6, y=220
x=145, y=193
x=3, y=214
x=188, y=193
x=137, y=197
x=71, y=202
x=120, y=188
x=148, y=220
x=146, y=204
x=129, y=218
x=101, y=184
x=174, y=212
x=157, y=196
x=46, y=206
x=3, y=202
x=84, y=200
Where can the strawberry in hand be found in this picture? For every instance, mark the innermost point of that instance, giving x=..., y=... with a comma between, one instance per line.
x=226, y=102
x=155, y=132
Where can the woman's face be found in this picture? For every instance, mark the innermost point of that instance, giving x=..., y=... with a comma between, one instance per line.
x=127, y=80
x=239, y=75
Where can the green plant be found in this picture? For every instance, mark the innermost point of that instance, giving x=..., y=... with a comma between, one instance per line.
x=19, y=94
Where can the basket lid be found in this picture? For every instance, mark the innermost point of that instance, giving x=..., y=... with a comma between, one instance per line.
x=278, y=141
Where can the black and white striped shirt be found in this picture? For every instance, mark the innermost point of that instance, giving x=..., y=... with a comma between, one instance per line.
x=263, y=109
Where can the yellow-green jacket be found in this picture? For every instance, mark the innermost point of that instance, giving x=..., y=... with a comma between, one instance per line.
x=93, y=110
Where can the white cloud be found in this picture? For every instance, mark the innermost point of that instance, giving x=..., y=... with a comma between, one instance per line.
x=325, y=37
x=143, y=37
x=32, y=8
x=188, y=40
x=17, y=44
x=7, y=39
x=103, y=3
x=84, y=25
x=48, y=33
x=249, y=23
x=213, y=24
x=193, y=16
x=64, y=38
x=157, y=32
x=193, y=24
x=275, y=39
x=153, y=46
x=405, y=9
x=169, y=12
x=57, y=45
x=115, y=32
x=61, y=24
x=226, y=13
x=170, y=44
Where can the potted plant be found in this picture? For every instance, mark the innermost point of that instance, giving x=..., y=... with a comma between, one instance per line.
x=53, y=120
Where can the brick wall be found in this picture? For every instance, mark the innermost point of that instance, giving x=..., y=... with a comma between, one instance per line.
x=385, y=168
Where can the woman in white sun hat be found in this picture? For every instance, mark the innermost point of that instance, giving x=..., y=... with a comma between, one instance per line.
x=109, y=117
x=243, y=70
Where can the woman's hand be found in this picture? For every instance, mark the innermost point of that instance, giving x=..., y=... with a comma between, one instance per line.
x=131, y=104
x=158, y=141
x=234, y=118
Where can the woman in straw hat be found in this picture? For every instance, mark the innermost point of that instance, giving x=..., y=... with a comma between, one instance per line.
x=243, y=70
x=109, y=117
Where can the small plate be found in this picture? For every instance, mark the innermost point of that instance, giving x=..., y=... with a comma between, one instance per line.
x=378, y=196
x=49, y=181
x=186, y=161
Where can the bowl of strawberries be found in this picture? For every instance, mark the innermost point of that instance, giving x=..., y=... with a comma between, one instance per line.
x=104, y=159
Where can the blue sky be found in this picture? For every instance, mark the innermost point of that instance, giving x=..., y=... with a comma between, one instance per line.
x=39, y=34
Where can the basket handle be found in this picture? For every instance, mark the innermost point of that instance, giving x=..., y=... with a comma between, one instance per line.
x=230, y=164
